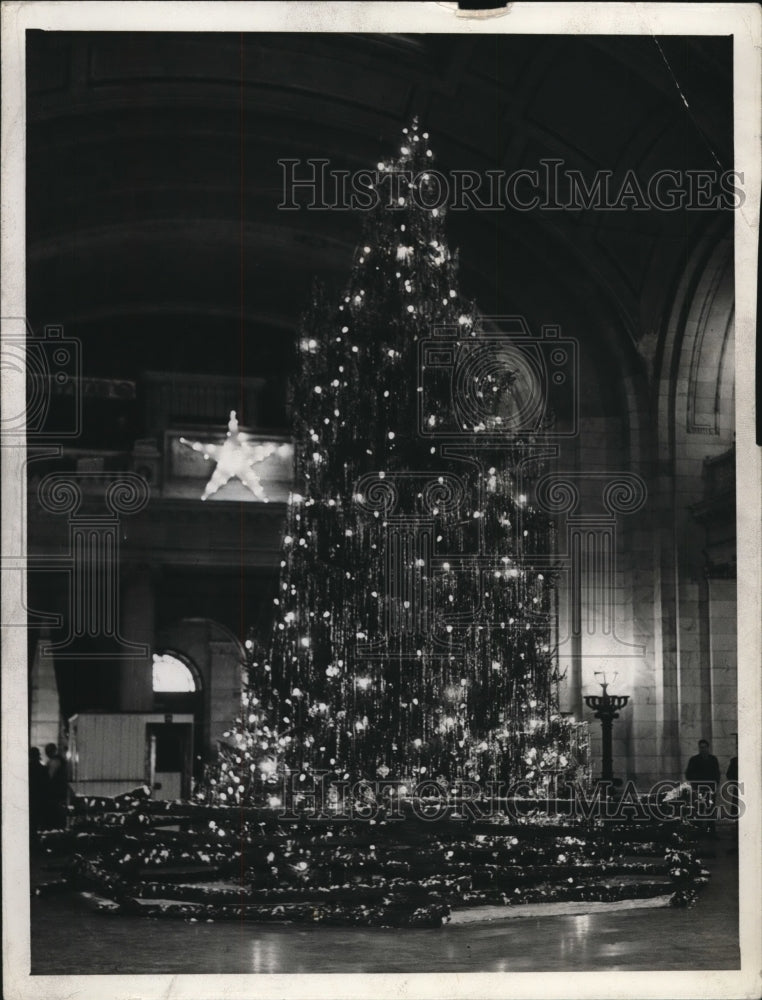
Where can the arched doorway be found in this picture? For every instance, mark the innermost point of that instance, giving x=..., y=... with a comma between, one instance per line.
x=696, y=435
x=213, y=657
x=173, y=746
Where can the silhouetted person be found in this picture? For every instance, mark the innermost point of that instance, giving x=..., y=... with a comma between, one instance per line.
x=38, y=792
x=703, y=773
x=58, y=788
x=733, y=810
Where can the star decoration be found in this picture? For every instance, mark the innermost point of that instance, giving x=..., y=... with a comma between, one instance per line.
x=235, y=459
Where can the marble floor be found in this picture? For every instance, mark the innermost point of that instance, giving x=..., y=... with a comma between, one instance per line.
x=68, y=939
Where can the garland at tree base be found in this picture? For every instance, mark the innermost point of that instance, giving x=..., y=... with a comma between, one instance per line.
x=407, y=873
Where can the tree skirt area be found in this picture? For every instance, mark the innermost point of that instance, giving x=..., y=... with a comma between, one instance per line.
x=134, y=855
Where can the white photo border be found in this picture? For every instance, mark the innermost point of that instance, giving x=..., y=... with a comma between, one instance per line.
x=744, y=22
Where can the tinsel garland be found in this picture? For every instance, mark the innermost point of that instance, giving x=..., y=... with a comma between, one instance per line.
x=412, y=622
x=399, y=873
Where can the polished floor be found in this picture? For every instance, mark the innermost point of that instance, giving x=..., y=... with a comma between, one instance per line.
x=705, y=937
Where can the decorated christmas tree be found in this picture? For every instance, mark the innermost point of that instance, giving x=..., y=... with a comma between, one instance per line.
x=413, y=631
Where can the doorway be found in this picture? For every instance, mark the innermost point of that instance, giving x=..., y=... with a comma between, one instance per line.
x=170, y=755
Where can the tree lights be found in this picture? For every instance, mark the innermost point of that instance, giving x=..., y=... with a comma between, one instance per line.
x=414, y=609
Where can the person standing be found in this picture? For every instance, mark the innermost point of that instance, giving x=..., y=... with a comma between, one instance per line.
x=732, y=790
x=58, y=787
x=732, y=771
x=38, y=789
x=704, y=766
x=703, y=773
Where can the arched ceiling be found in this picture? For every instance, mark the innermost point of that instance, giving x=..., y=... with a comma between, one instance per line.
x=154, y=232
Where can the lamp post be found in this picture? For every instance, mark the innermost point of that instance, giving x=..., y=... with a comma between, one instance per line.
x=607, y=708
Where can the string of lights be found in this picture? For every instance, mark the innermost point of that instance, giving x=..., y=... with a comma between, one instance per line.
x=413, y=620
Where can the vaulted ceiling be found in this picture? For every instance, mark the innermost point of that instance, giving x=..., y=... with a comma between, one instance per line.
x=154, y=233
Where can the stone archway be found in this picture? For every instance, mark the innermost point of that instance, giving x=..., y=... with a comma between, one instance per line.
x=696, y=430
x=218, y=657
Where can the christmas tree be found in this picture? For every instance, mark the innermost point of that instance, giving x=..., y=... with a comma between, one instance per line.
x=413, y=634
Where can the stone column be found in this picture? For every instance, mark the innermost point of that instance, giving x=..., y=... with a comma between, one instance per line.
x=224, y=686
x=602, y=636
x=45, y=708
x=137, y=626
x=724, y=669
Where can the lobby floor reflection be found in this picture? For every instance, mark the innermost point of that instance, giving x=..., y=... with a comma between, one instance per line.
x=69, y=939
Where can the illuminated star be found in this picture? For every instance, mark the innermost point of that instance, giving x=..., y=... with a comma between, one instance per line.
x=235, y=459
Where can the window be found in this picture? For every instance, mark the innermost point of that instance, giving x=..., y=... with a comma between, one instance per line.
x=171, y=675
